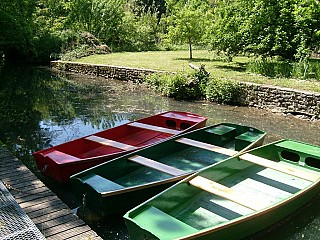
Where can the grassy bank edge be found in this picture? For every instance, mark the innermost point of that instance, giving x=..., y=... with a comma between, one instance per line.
x=178, y=61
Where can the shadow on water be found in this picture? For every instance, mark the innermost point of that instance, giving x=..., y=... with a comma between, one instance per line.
x=40, y=109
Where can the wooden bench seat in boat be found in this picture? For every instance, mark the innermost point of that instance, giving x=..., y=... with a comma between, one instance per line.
x=111, y=143
x=221, y=191
x=154, y=128
x=165, y=226
x=245, y=139
x=100, y=184
x=297, y=172
x=156, y=165
x=61, y=157
x=210, y=147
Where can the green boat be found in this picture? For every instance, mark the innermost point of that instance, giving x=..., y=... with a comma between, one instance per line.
x=232, y=199
x=118, y=185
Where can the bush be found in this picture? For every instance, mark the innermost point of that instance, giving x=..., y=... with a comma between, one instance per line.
x=180, y=86
x=272, y=68
x=223, y=91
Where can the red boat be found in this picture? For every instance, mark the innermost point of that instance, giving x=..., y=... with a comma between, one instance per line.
x=62, y=161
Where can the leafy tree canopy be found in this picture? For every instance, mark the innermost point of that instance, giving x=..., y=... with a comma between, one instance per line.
x=285, y=28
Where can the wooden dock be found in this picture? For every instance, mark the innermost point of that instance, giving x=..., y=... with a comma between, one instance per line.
x=52, y=217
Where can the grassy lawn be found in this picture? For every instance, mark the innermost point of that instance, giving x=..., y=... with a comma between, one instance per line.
x=174, y=61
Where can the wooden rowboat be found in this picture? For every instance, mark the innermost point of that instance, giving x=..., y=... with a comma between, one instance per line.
x=232, y=199
x=61, y=161
x=118, y=185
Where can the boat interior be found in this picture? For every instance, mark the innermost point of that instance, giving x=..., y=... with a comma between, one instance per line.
x=180, y=156
x=231, y=190
x=127, y=137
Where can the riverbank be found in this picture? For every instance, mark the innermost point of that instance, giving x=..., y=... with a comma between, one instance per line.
x=305, y=104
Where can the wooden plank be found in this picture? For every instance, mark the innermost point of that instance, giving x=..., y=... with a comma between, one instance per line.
x=221, y=191
x=46, y=205
x=75, y=231
x=60, y=228
x=157, y=165
x=300, y=173
x=154, y=128
x=210, y=147
x=52, y=216
x=111, y=143
x=49, y=217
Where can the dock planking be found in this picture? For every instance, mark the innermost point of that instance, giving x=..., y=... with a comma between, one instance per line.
x=53, y=218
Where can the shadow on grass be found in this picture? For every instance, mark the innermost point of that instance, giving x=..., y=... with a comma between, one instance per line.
x=240, y=68
x=198, y=59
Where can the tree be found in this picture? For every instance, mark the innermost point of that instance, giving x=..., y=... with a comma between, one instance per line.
x=16, y=27
x=187, y=21
x=102, y=18
x=285, y=28
x=224, y=31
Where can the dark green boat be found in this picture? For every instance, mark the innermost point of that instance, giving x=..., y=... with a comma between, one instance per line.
x=234, y=198
x=120, y=184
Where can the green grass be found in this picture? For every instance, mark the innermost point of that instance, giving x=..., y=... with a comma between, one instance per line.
x=175, y=61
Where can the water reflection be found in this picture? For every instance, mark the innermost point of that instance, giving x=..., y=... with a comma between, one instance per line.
x=39, y=109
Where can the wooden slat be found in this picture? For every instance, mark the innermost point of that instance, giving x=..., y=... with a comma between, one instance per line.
x=210, y=147
x=300, y=173
x=50, y=214
x=222, y=191
x=154, y=128
x=111, y=143
x=156, y=165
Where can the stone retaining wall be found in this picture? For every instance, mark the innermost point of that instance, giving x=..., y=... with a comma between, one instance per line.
x=254, y=95
x=281, y=99
x=107, y=71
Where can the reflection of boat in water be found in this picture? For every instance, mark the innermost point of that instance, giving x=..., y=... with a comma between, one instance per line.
x=122, y=183
x=61, y=161
x=234, y=198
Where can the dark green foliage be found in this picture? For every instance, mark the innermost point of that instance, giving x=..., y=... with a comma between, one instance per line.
x=180, y=86
x=16, y=28
x=223, y=91
x=305, y=69
x=286, y=28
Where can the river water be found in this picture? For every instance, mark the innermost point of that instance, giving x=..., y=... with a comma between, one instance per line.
x=39, y=109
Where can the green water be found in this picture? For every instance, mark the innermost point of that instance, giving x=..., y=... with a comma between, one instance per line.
x=39, y=109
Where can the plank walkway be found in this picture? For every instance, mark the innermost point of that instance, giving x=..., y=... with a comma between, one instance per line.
x=52, y=217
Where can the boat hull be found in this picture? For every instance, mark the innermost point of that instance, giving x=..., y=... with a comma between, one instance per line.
x=233, y=199
x=62, y=161
x=106, y=188
x=236, y=230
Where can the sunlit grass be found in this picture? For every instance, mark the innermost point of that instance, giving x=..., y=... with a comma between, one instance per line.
x=174, y=61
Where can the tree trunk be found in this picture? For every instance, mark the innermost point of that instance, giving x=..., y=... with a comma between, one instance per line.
x=190, y=50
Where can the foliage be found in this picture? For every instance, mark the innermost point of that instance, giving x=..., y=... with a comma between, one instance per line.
x=16, y=27
x=102, y=18
x=223, y=91
x=180, y=86
x=138, y=33
x=224, y=31
x=37, y=29
x=285, y=28
x=306, y=69
x=187, y=22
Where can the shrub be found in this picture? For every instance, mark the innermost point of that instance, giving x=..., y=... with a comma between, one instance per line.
x=223, y=91
x=180, y=86
x=272, y=68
